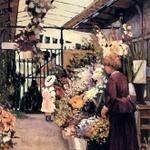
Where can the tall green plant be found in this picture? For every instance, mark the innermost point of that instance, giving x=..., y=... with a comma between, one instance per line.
x=136, y=50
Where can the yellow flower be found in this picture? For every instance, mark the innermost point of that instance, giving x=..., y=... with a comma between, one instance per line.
x=99, y=130
x=90, y=93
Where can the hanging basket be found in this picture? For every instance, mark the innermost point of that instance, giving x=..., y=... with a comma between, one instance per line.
x=139, y=70
x=26, y=54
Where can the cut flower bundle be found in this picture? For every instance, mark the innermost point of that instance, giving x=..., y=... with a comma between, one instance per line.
x=74, y=111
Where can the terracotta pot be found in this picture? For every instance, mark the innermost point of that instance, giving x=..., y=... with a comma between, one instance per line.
x=26, y=54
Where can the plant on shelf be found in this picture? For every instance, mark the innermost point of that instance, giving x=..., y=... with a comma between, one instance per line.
x=135, y=60
x=135, y=64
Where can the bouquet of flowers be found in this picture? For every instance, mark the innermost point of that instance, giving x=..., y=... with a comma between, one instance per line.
x=111, y=47
x=7, y=124
x=73, y=113
x=94, y=128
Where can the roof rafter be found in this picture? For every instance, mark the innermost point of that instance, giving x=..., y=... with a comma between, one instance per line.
x=87, y=12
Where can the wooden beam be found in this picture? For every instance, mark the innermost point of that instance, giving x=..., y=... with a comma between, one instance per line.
x=99, y=6
x=124, y=3
x=87, y=12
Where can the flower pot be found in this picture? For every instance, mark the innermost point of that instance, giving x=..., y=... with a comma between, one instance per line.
x=26, y=54
x=131, y=89
x=140, y=89
x=139, y=70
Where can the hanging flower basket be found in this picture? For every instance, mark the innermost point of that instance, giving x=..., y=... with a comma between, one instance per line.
x=139, y=70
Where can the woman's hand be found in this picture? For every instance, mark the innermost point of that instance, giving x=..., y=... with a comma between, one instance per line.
x=104, y=112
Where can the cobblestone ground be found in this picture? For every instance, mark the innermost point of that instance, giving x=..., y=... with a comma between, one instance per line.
x=34, y=133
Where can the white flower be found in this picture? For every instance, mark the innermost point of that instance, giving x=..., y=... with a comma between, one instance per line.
x=6, y=139
x=120, y=52
x=125, y=32
x=97, y=74
x=35, y=20
x=106, y=51
x=90, y=93
x=31, y=5
x=124, y=26
x=38, y=10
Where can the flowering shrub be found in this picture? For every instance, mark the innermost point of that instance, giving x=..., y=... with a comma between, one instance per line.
x=7, y=124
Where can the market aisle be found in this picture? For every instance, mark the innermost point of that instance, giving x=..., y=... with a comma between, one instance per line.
x=34, y=133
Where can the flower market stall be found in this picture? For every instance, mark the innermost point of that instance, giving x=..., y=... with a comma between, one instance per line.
x=78, y=111
x=86, y=90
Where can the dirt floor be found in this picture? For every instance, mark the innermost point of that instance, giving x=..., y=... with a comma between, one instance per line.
x=34, y=133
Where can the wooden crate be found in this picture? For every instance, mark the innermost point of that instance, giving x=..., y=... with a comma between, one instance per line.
x=143, y=126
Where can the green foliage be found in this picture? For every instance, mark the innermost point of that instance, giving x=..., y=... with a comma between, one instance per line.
x=136, y=50
x=127, y=66
x=6, y=87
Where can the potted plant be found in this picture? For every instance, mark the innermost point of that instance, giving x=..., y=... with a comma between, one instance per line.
x=139, y=63
x=139, y=70
x=136, y=64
